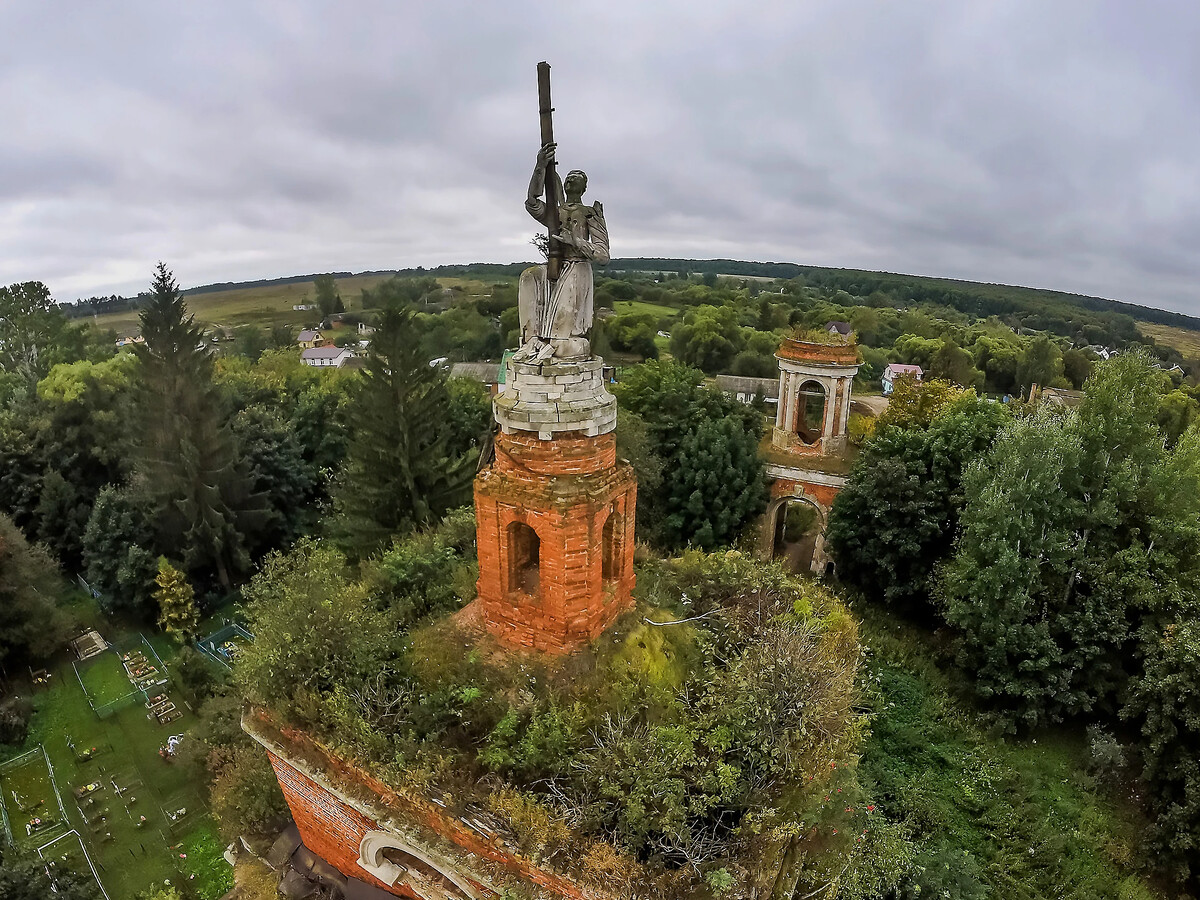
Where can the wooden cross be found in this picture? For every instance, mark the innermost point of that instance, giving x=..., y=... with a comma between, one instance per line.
x=554, y=254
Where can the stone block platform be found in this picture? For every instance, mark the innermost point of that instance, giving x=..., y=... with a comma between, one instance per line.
x=554, y=397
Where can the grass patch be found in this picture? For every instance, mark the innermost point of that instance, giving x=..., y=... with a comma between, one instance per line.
x=203, y=863
x=991, y=817
x=269, y=305
x=1186, y=341
x=32, y=812
x=104, y=679
x=659, y=310
x=67, y=853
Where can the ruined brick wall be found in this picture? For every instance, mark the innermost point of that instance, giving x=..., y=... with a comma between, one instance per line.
x=580, y=501
x=822, y=494
x=329, y=827
x=332, y=823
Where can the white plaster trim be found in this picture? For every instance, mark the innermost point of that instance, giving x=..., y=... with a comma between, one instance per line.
x=813, y=370
x=371, y=859
x=811, y=476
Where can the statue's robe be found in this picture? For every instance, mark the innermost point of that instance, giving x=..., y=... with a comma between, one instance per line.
x=563, y=316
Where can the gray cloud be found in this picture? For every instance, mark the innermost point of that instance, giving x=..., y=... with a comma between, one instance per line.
x=1055, y=145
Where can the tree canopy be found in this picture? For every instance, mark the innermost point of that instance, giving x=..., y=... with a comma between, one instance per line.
x=712, y=480
x=402, y=471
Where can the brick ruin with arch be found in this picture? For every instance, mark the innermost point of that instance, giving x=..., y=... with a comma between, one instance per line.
x=807, y=470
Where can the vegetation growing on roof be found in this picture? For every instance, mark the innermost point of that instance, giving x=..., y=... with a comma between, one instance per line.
x=698, y=736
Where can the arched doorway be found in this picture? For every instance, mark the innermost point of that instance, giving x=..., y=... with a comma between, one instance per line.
x=524, y=562
x=810, y=412
x=796, y=527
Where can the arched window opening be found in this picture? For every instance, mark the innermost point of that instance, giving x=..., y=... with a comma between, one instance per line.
x=610, y=551
x=810, y=412
x=524, y=566
x=408, y=867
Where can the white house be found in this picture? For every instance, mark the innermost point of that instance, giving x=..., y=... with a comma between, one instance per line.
x=326, y=356
x=899, y=370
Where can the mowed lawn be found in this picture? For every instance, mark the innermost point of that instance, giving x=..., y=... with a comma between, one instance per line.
x=104, y=678
x=28, y=794
x=176, y=840
x=659, y=311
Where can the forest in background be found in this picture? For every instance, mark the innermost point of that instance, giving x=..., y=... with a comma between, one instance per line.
x=305, y=462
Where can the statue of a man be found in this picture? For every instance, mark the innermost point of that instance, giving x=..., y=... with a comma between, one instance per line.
x=556, y=316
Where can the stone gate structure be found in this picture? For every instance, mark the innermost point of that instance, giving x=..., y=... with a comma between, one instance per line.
x=814, y=378
x=816, y=381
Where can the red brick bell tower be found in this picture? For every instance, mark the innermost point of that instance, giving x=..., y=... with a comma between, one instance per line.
x=554, y=512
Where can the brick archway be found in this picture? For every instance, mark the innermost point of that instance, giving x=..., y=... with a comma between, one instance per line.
x=524, y=560
x=773, y=522
x=398, y=864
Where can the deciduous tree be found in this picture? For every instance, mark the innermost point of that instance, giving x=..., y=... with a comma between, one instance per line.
x=897, y=516
x=118, y=551
x=329, y=301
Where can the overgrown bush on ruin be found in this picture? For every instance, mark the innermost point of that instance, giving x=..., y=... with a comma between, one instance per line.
x=697, y=736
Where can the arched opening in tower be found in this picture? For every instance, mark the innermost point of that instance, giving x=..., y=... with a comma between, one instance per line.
x=611, y=552
x=797, y=524
x=524, y=564
x=810, y=412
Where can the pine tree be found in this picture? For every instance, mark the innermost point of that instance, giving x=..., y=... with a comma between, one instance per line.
x=400, y=471
x=187, y=454
x=176, y=602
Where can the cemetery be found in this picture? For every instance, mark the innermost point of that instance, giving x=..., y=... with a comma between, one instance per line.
x=98, y=789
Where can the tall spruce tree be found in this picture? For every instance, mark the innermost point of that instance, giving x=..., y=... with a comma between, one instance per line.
x=401, y=471
x=187, y=453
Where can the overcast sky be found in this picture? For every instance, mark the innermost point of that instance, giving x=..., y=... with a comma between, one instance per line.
x=1053, y=144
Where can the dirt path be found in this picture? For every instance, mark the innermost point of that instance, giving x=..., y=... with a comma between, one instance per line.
x=876, y=405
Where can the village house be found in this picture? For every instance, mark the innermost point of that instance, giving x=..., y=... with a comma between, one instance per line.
x=326, y=356
x=486, y=373
x=845, y=329
x=747, y=390
x=310, y=338
x=899, y=370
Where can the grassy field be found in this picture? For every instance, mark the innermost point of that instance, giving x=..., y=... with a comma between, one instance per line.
x=638, y=306
x=271, y=305
x=147, y=822
x=1184, y=340
x=28, y=796
x=266, y=306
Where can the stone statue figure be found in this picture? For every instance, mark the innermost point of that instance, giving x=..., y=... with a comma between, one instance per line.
x=557, y=315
